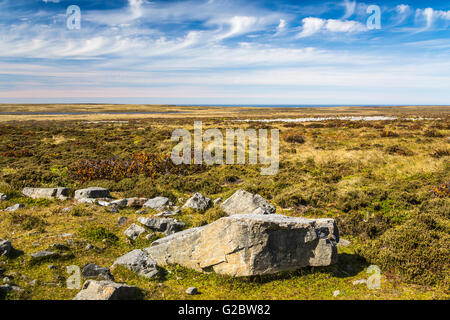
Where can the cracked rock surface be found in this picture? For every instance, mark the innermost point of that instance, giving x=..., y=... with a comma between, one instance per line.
x=250, y=244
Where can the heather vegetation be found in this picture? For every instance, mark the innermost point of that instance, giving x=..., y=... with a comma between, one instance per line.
x=385, y=182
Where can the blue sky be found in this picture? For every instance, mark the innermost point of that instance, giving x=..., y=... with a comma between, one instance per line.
x=225, y=52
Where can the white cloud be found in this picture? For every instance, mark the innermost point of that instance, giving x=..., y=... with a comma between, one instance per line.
x=281, y=26
x=403, y=8
x=430, y=16
x=313, y=25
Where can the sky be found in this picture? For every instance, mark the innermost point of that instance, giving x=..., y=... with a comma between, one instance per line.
x=303, y=52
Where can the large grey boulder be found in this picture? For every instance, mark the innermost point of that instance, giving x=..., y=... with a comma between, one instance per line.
x=243, y=202
x=15, y=207
x=198, y=202
x=107, y=290
x=157, y=203
x=139, y=262
x=166, y=225
x=46, y=193
x=93, y=271
x=5, y=247
x=134, y=231
x=92, y=193
x=250, y=244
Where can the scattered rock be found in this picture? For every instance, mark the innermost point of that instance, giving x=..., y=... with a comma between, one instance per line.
x=134, y=231
x=10, y=288
x=66, y=210
x=359, y=281
x=34, y=282
x=136, y=202
x=6, y=280
x=46, y=193
x=15, y=207
x=142, y=211
x=121, y=221
x=166, y=225
x=336, y=293
x=169, y=213
x=217, y=201
x=5, y=247
x=121, y=203
x=192, y=290
x=343, y=243
x=52, y=267
x=139, y=262
x=198, y=202
x=250, y=244
x=3, y=197
x=43, y=255
x=92, y=193
x=107, y=290
x=93, y=271
x=243, y=202
x=89, y=247
x=157, y=203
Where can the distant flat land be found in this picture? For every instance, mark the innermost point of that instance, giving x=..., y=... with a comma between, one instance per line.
x=97, y=112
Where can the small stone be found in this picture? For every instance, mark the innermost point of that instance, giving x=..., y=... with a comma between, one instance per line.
x=34, y=282
x=15, y=207
x=3, y=197
x=51, y=267
x=92, y=193
x=66, y=210
x=43, y=255
x=166, y=225
x=359, y=281
x=59, y=246
x=336, y=293
x=343, y=243
x=157, y=203
x=93, y=271
x=6, y=280
x=217, y=201
x=121, y=221
x=134, y=231
x=198, y=202
x=192, y=290
x=260, y=210
x=107, y=290
x=89, y=247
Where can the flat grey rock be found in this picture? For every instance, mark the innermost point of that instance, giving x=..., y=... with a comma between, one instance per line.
x=15, y=207
x=43, y=255
x=166, y=225
x=46, y=193
x=93, y=271
x=156, y=203
x=198, y=202
x=139, y=262
x=134, y=231
x=250, y=244
x=92, y=193
x=108, y=290
x=243, y=202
